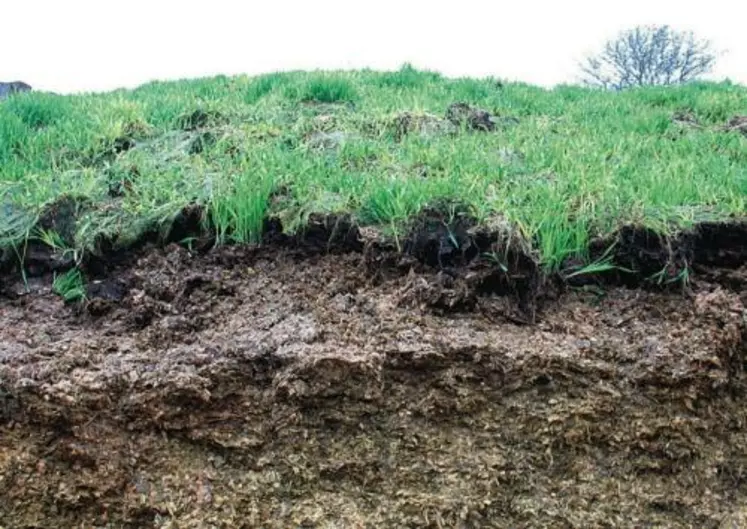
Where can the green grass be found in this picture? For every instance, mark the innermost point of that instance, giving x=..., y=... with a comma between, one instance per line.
x=579, y=162
x=70, y=286
x=326, y=89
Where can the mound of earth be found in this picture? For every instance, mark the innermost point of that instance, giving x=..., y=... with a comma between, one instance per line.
x=464, y=115
x=264, y=387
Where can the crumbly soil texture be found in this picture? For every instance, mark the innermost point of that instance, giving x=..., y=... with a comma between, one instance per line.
x=327, y=386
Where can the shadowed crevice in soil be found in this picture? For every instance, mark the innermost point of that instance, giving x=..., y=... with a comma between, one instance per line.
x=720, y=244
x=321, y=234
x=645, y=258
x=457, y=262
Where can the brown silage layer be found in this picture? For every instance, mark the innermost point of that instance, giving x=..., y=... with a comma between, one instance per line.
x=281, y=387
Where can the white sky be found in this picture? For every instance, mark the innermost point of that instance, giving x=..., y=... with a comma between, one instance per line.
x=92, y=45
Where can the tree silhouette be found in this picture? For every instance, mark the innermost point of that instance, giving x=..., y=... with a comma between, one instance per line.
x=649, y=55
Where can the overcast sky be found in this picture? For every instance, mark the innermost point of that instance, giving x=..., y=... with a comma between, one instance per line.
x=87, y=45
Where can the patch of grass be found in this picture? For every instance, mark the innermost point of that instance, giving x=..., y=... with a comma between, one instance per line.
x=13, y=134
x=407, y=77
x=578, y=164
x=55, y=241
x=263, y=85
x=328, y=89
x=238, y=204
x=70, y=286
x=38, y=111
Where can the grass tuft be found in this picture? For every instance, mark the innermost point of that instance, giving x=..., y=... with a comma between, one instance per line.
x=407, y=77
x=262, y=86
x=328, y=89
x=238, y=209
x=70, y=286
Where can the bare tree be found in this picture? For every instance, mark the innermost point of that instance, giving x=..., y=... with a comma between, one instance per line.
x=649, y=55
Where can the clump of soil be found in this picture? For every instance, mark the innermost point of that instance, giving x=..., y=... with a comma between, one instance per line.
x=61, y=216
x=121, y=144
x=53, y=237
x=109, y=149
x=200, y=119
x=643, y=257
x=738, y=124
x=648, y=255
x=686, y=118
x=439, y=237
x=120, y=181
x=472, y=263
x=423, y=124
x=458, y=115
x=464, y=115
x=328, y=233
x=201, y=142
x=326, y=141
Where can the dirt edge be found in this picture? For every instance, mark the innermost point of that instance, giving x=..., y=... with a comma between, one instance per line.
x=494, y=260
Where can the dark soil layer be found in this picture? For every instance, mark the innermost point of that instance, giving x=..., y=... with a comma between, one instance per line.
x=278, y=387
x=473, y=259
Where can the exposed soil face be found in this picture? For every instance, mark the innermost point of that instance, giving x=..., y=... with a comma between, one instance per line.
x=280, y=387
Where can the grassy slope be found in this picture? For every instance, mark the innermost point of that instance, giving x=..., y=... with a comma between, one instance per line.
x=579, y=162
